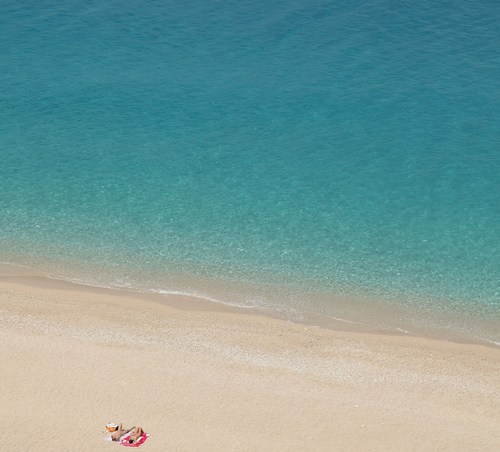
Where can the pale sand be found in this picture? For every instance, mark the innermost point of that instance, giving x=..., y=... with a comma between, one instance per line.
x=73, y=359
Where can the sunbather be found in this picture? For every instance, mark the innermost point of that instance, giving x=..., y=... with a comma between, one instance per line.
x=133, y=434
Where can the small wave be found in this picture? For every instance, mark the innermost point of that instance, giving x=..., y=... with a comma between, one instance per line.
x=489, y=341
x=250, y=304
x=345, y=320
x=199, y=296
x=402, y=330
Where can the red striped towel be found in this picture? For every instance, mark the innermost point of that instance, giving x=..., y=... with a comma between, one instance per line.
x=140, y=441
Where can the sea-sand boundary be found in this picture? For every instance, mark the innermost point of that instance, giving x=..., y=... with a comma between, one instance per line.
x=388, y=313
x=201, y=376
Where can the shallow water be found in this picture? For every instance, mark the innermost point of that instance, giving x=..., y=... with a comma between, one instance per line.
x=275, y=154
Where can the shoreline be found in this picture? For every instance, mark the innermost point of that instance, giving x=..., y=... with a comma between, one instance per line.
x=353, y=321
x=217, y=379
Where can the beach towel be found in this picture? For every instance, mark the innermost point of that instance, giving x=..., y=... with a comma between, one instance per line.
x=140, y=441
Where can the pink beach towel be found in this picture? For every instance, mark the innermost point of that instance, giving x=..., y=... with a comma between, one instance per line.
x=140, y=441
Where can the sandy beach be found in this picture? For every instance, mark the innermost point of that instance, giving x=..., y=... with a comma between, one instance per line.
x=201, y=377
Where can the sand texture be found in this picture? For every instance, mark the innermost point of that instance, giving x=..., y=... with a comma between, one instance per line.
x=207, y=379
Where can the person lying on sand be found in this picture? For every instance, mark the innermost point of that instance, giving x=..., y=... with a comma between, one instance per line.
x=117, y=432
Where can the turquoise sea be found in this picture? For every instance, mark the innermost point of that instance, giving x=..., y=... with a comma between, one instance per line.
x=316, y=159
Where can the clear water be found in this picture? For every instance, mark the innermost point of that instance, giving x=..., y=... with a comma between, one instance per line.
x=265, y=151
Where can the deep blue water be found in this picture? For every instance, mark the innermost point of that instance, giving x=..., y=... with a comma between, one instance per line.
x=311, y=146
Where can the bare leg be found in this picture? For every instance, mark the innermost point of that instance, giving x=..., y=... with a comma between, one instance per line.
x=119, y=433
x=136, y=434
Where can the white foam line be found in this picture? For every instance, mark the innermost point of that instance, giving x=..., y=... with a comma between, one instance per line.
x=184, y=294
x=153, y=291
x=200, y=296
x=403, y=331
x=490, y=341
x=346, y=321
